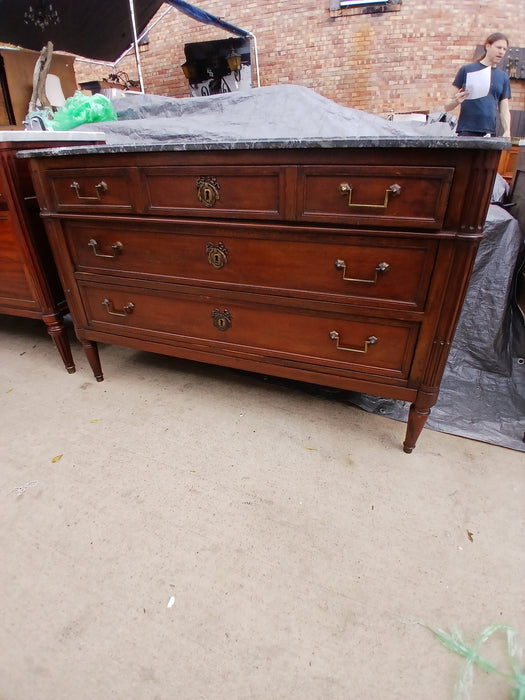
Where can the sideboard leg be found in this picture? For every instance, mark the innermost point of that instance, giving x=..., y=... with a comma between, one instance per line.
x=417, y=417
x=91, y=350
x=57, y=330
x=416, y=423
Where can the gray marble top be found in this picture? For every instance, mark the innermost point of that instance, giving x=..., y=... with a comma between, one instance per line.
x=378, y=142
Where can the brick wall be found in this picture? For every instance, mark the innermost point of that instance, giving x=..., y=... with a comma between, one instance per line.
x=383, y=62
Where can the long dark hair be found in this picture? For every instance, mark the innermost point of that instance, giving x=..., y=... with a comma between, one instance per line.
x=496, y=36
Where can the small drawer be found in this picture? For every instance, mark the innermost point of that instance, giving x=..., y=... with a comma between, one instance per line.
x=402, y=196
x=383, y=272
x=108, y=190
x=215, y=191
x=229, y=325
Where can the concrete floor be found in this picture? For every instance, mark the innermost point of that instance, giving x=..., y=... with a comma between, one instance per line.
x=186, y=531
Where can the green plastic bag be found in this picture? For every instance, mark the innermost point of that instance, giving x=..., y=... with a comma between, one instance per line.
x=82, y=109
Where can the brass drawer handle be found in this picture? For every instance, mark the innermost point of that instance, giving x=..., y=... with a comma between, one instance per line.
x=371, y=340
x=127, y=309
x=115, y=248
x=221, y=319
x=101, y=187
x=217, y=254
x=341, y=265
x=394, y=190
x=208, y=190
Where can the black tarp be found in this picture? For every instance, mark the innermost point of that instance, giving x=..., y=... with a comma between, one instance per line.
x=89, y=28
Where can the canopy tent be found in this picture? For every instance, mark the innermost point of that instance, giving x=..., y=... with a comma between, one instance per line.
x=94, y=29
x=207, y=18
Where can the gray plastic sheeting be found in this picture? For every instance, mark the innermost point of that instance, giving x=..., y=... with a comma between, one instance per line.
x=274, y=112
x=482, y=394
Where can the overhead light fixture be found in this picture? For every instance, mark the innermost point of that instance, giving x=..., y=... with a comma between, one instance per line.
x=41, y=15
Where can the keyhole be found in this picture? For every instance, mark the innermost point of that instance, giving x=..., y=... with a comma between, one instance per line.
x=222, y=320
x=207, y=195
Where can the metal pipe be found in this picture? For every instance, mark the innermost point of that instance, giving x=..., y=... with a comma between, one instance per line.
x=136, y=43
x=252, y=36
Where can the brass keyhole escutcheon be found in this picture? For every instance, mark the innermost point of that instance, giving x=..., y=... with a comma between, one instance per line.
x=221, y=319
x=208, y=190
x=217, y=255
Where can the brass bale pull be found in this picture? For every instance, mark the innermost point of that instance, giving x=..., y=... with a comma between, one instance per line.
x=127, y=309
x=115, y=248
x=207, y=190
x=394, y=190
x=382, y=267
x=99, y=189
x=371, y=340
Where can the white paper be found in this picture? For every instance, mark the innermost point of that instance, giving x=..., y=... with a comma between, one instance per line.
x=478, y=83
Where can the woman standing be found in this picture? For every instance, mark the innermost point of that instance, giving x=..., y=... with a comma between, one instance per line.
x=478, y=114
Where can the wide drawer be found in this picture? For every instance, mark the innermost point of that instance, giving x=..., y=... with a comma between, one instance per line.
x=230, y=325
x=215, y=191
x=386, y=272
x=398, y=196
x=108, y=190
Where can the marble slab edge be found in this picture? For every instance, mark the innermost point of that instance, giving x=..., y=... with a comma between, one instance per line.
x=453, y=142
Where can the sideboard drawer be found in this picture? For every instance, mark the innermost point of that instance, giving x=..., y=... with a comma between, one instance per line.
x=385, y=272
x=107, y=190
x=215, y=191
x=231, y=326
x=402, y=196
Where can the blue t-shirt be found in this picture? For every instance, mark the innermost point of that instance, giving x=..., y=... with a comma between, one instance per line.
x=480, y=115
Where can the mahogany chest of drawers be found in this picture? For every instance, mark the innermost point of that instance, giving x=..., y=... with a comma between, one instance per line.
x=342, y=266
x=29, y=282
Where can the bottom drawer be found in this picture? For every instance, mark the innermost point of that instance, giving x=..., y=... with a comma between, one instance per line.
x=228, y=325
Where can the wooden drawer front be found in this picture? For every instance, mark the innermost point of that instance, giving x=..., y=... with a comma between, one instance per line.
x=14, y=284
x=95, y=189
x=240, y=192
x=229, y=325
x=384, y=272
x=401, y=196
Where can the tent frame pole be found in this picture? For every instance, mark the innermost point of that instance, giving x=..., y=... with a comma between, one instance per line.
x=136, y=43
x=256, y=55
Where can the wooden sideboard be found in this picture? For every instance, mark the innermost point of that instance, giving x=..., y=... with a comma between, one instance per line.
x=29, y=282
x=341, y=266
